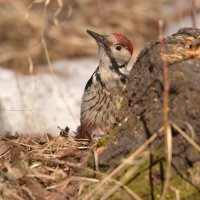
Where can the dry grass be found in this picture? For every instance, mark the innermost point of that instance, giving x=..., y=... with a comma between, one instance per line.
x=24, y=24
x=63, y=24
x=34, y=168
x=57, y=168
x=167, y=128
x=46, y=167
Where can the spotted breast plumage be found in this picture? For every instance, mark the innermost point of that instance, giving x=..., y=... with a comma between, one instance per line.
x=103, y=93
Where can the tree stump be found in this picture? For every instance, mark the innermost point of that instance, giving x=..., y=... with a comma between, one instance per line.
x=145, y=94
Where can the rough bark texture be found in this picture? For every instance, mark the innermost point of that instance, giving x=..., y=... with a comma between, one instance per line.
x=145, y=92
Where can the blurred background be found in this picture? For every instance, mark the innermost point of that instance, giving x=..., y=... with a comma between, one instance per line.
x=46, y=57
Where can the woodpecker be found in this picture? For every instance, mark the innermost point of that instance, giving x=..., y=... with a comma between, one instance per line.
x=103, y=92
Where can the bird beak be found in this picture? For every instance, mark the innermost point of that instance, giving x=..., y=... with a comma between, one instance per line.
x=99, y=38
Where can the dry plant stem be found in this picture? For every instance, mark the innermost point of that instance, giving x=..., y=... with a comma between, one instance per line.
x=96, y=160
x=15, y=196
x=193, y=134
x=167, y=128
x=125, y=179
x=50, y=66
x=66, y=182
x=58, y=11
x=114, y=189
x=53, y=76
x=176, y=191
x=80, y=189
x=129, y=191
x=17, y=143
x=180, y=14
x=33, y=99
x=30, y=194
x=193, y=13
x=185, y=135
x=131, y=158
x=5, y=153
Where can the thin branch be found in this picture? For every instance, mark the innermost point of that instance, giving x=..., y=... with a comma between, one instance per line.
x=176, y=191
x=125, y=179
x=167, y=128
x=185, y=135
x=193, y=13
x=43, y=41
x=131, y=158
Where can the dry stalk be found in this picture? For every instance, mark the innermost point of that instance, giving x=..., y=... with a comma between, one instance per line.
x=193, y=13
x=192, y=131
x=131, y=158
x=33, y=99
x=117, y=183
x=17, y=143
x=125, y=179
x=58, y=11
x=180, y=11
x=167, y=128
x=110, y=192
x=63, y=183
x=176, y=191
x=30, y=194
x=15, y=196
x=43, y=41
x=41, y=176
x=67, y=181
x=96, y=161
x=129, y=191
x=185, y=135
x=80, y=189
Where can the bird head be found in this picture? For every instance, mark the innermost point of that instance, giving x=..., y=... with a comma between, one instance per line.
x=115, y=49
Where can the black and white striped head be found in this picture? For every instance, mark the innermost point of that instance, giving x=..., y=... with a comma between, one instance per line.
x=114, y=50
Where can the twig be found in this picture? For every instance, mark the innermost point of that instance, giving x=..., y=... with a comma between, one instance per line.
x=43, y=41
x=132, y=157
x=29, y=192
x=125, y=179
x=193, y=13
x=96, y=161
x=180, y=11
x=193, y=134
x=17, y=143
x=33, y=92
x=57, y=161
x=176, y=191
x=167, y=128
x=185, y=135
x=14, y=195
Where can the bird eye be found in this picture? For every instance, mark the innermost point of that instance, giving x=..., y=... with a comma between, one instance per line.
x=118, y=47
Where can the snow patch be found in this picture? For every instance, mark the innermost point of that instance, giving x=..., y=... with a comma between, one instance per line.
x=43, y=102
